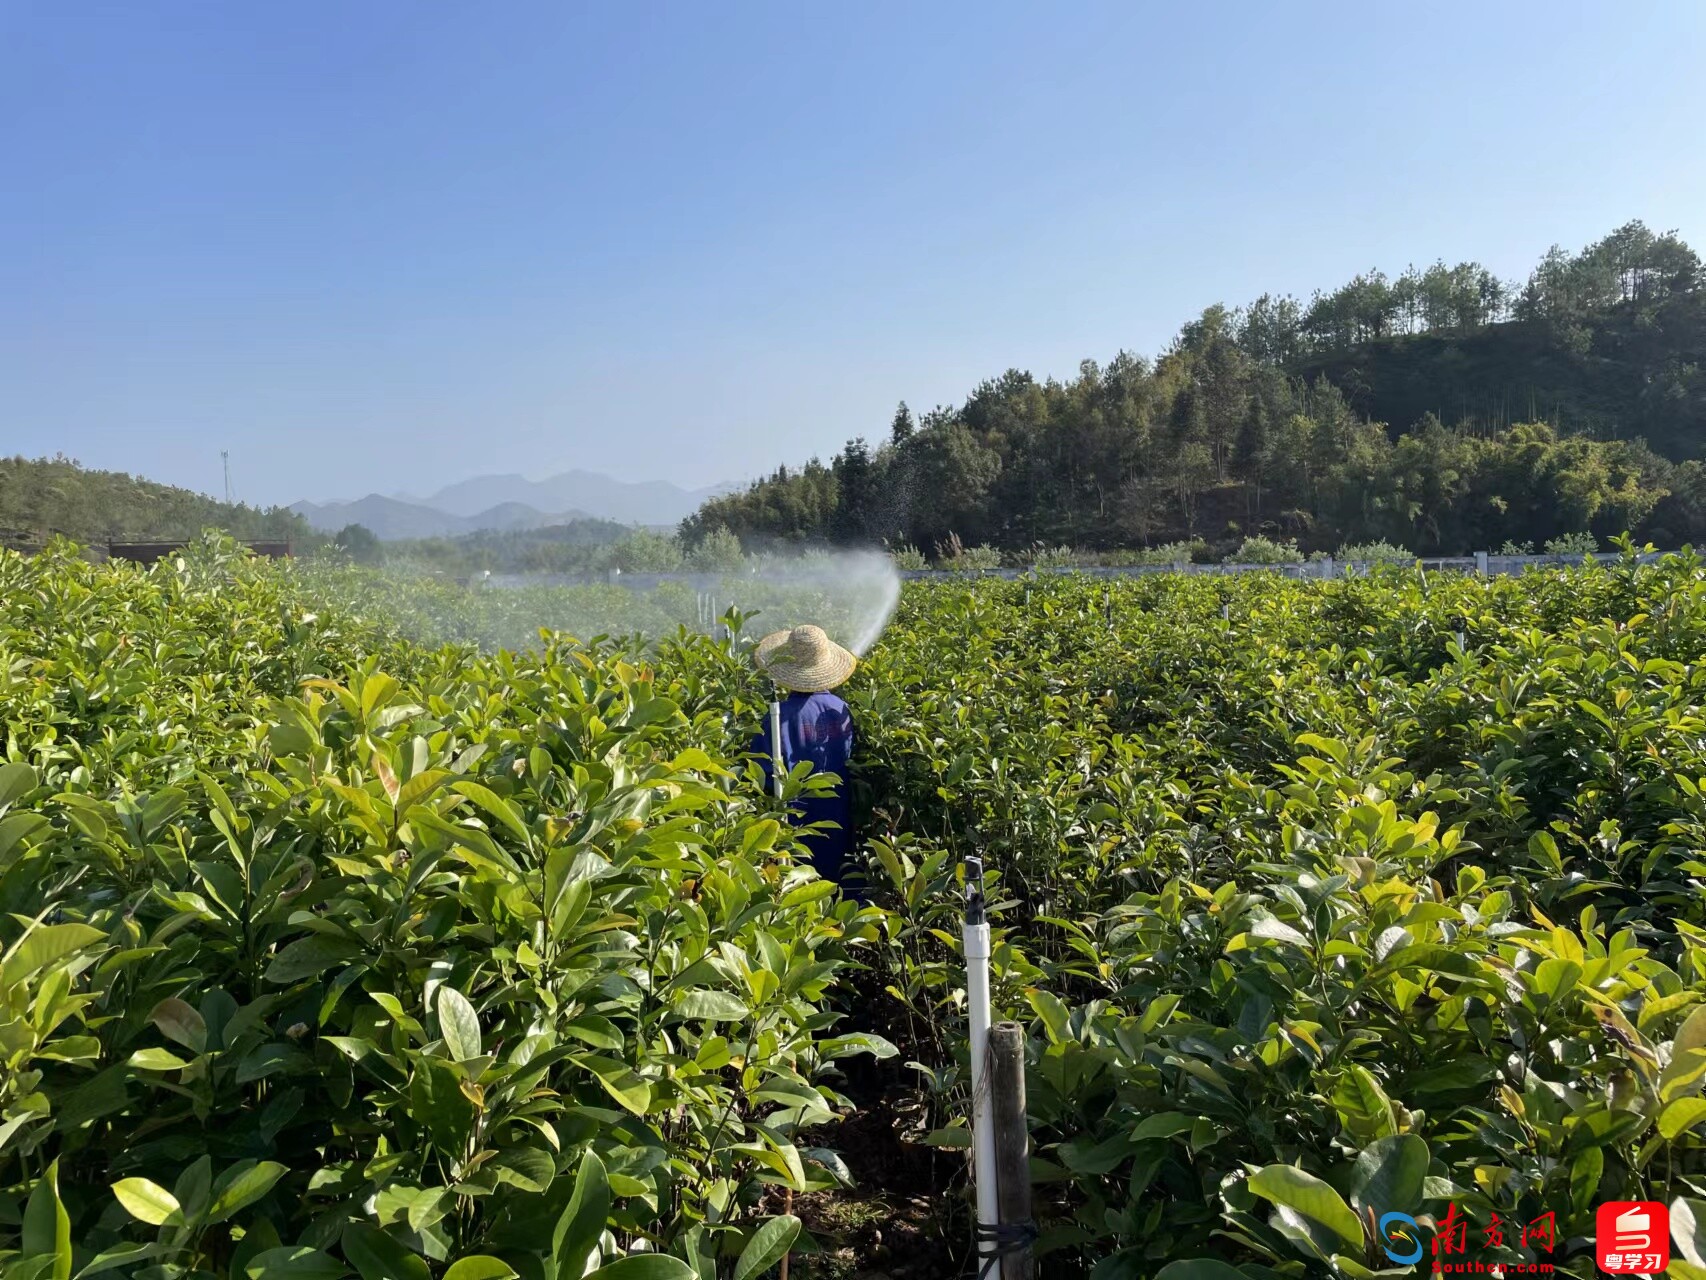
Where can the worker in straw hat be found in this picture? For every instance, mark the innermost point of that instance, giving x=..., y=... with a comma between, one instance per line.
x=817, y=726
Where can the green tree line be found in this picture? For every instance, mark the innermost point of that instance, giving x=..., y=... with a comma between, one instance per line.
x=40, y=497
x=1572, y=403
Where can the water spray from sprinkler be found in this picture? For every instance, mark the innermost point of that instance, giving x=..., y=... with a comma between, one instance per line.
x=850, y=594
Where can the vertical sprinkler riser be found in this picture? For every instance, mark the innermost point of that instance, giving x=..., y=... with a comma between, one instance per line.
x=976, y=942
x=776, y=745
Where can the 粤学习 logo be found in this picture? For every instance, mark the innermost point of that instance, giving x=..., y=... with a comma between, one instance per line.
x=1632, y=1237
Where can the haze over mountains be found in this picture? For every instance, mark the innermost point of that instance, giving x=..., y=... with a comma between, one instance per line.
x=505, y=502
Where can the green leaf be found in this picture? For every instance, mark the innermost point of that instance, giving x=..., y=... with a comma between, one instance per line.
x=471, y=839
x=379, y=1256
x=15, y=780
x=1157, y=1011
x=1544, y=849
x=767, y=1246
x=194, y=1189
x=85, y=813
x=505, y=812
x=267, y=1060
x=120, y=1255
x=526, y=1167
x=241, y=1185
x=712, y=1006
x=803, y=1106
x=1465, y=1074
x=811, y=891
x=567, y=901
x=1688, y=1229
x=161, y=807
x=582, y=1221
x=621, y=1082
x=1656, y=1007
x=178, y=1021
x=1687, y=1056
x=310, y=956
x=1052, y=1012
x=1199, y=1269
x=147, y=1201
x=1275, y=930
x=157, y=1060
x=479, y=1266
x=419, y=787
x=1680, y=1116
x=1555, y=977
x=47, y=1226
x=646, y=1266
x=437, y=1100
x=1389, y=1173
x=1311, y=1238
x=599, y=1032
x=1095, y=1159
x=1291, y=1187
x=1363, y=1107
x=15, y=827
x=288, y=741
x=1585, y=1174
x=1692, y=1033
x=779, y=1156
x=45, y=945
x=70, y=1049
x=458, y=1024
x=294, y=1262
x=1163, y=1124
x=856, y=1042
x=376, y=691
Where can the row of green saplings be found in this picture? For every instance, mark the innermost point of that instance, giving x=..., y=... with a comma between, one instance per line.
x=934, y=898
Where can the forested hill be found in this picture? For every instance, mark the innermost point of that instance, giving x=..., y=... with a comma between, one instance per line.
x=46, y=496
x=1632, y=369
x=1443, y=409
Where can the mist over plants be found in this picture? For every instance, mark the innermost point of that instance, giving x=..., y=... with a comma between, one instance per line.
x=849, y=593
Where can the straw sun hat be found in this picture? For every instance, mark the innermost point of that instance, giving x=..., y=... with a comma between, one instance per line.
x=803, y=659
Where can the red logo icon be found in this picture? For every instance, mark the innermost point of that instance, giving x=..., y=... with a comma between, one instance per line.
x=1632, y=1237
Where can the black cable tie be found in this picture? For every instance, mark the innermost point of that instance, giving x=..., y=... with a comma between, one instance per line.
x=1007, y=1237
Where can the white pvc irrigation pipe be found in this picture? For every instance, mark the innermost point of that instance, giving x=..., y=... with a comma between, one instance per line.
x=976, y=940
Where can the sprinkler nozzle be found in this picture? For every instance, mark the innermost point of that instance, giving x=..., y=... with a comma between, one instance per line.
x=974, y=888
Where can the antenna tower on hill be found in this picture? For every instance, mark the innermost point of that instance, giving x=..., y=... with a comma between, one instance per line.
x=225, y=461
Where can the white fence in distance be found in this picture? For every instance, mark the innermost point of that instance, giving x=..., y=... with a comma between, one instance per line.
x=1483, y=563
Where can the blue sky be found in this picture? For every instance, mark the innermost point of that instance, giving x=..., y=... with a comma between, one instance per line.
x=383, y=245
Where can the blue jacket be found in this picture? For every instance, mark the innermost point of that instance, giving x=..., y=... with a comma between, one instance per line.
x=817, y=727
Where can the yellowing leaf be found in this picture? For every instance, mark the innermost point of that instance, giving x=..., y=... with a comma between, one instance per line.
x=147, y=1201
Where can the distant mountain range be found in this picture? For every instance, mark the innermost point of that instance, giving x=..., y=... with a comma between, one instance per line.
x=511, y=502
